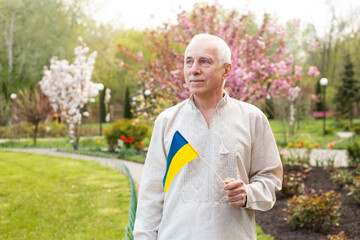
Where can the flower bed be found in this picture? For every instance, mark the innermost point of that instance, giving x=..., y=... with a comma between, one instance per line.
x=274, y=222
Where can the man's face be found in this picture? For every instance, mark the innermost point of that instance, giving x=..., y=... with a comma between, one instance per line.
x=203, y=74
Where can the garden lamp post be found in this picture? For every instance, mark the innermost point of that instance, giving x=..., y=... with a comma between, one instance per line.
x=100, y=87
x=323, y=83
x=147, y=93
x=12, y=96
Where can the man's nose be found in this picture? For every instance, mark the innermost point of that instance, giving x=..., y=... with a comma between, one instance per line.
x=195, y=69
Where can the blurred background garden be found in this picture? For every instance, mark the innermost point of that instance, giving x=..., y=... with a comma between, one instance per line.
x=78, y=78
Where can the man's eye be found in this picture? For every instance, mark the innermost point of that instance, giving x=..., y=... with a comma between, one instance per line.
x=205, y=61
x=189, y=62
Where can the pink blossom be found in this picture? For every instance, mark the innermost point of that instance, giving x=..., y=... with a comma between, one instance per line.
x=139, y=54
x=294, y=91
x=297, y=22
x=261, y=44
x=313, y=46
x=298, y=70
x=313, y=71
x=315, y=98
x=258, y=71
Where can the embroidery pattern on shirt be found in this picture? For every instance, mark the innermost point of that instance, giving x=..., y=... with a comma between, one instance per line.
x=198, y=183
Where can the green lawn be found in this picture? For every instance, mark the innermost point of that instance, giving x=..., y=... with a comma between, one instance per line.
x=60, y=142
x=46, y=197
x=96, y=126
x=312, y=132
x=261, y=235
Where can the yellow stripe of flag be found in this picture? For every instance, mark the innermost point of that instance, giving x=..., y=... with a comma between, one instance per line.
x=182, y=154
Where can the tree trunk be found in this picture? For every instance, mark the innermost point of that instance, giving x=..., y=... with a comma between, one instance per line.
x=77, y=130
x=356, y=110
x=351, y=109
x=9, y=43
x=35, y=132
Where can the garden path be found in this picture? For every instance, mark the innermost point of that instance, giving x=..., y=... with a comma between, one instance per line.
x=343, y=136
x=318, y=157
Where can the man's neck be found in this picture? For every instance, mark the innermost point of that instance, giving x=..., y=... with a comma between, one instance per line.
x=207, y=105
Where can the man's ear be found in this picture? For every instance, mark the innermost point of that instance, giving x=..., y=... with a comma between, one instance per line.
x=227, y=72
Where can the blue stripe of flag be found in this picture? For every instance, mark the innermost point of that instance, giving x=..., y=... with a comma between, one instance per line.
x=177, y=143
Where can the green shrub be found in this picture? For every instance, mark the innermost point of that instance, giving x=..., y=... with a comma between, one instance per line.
x=341, y=178
x=132, y=155
x=3, y=131
x=315, y=211
x=293, y=183
x=353, y=152
x=328, y=130
x=356, y=130
x=281, y=143
x=52, y=129
x=347, y=127
x=126, y=130
x=25, y=130
x=20, y=130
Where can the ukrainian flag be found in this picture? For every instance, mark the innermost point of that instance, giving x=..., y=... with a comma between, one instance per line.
x=181, y=153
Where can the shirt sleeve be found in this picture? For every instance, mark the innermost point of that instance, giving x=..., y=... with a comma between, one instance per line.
x=266, y=171
x=151, y=192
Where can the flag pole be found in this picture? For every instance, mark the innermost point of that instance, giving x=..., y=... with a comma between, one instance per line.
x=211, y=168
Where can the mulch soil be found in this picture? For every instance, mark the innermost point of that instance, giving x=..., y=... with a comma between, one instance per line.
x=273, y=222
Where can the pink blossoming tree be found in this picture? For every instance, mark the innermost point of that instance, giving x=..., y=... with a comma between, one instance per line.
x=261, y=64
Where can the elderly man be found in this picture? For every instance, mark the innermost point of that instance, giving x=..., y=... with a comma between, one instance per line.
x=233, y=138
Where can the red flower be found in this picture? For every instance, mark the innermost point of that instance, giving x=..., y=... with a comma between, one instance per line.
x=331, y=145
x=123, y=138
x=316, y=145
x=131, y=139
x=140, y=143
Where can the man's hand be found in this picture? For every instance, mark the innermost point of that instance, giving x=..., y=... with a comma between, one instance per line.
x=235, y=191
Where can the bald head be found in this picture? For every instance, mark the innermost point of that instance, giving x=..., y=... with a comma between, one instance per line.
x=223, y=50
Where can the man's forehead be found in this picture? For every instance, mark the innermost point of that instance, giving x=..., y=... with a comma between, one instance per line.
x=205, y=51
x=199, y=56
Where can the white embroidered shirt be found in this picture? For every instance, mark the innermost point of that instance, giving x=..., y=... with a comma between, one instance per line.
x=238, y=143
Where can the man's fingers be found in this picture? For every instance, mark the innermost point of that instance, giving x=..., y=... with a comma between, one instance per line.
x=240, y=203
x=235, y=191
x=229, y=180
x=236, y=198
x=233, y=184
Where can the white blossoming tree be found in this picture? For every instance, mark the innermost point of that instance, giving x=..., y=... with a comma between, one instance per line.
x=69, y=88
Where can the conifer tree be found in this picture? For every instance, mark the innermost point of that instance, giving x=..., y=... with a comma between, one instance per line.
x=348, y=92
x=127, y=106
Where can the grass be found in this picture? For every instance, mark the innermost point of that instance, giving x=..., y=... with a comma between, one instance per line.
x=46, y=197
x=67, y=208
x=312, y=131
x=61, y=142
x=88, y=146
x=96, y=125
x=261, y=235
